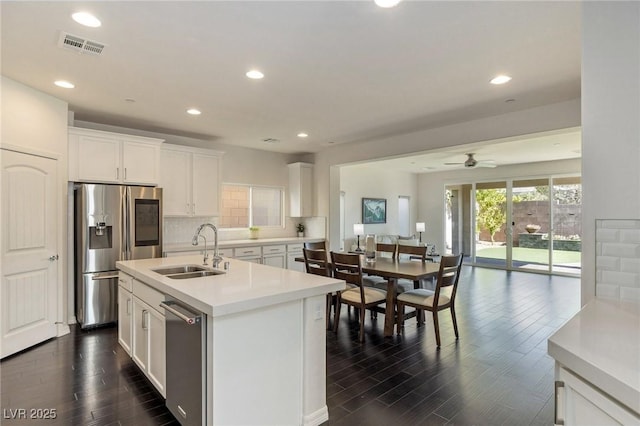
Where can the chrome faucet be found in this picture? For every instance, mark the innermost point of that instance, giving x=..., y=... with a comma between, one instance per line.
x=216, y=256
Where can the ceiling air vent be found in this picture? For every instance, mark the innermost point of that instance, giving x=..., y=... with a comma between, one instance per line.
x=79, y=44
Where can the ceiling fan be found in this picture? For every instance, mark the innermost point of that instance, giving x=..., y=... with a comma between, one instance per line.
x=471, y=162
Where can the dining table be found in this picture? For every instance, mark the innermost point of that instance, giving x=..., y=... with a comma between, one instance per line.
x=392, y=270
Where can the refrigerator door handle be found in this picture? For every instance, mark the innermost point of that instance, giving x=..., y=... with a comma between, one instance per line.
x=125, y=225
x=103, y=277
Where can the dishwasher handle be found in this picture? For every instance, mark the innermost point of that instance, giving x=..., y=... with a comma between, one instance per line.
x=191, y=318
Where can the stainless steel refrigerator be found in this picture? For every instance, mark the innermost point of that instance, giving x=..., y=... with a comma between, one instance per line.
x=112, y=222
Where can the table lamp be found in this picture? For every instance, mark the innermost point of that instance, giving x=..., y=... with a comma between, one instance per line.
x=358, y=229
x=420, y=228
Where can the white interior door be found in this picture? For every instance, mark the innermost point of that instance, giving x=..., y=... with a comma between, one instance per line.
x=28, y=290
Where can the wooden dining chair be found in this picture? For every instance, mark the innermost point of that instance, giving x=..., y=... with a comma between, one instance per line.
x=442, y=298
x=315, y=245
x=316, y=262
x=385, y=250
x=347, y=267
x=406, y=252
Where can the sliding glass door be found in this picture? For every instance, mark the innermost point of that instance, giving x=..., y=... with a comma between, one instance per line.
x=526, y=224
x=531, y=224
x=491, y=232
x=567, y=225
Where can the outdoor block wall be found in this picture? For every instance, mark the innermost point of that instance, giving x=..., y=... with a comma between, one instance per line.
x=618, y=259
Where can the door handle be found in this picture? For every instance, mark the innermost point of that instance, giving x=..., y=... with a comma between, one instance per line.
x=117, y=173
x=53, y=258
x=145, y=319
x=125, y=173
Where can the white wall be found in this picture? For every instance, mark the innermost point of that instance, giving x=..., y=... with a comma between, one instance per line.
x=36, y=123
x=610, y=122
x=363, y=181
x=558, y=116
x=431, y=188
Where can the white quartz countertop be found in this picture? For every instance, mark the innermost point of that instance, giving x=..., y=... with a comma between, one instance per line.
x=176, y=247
x=601, y=343
x=245, y=286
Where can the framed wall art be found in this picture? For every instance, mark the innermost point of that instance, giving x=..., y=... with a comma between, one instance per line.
x=374, y=210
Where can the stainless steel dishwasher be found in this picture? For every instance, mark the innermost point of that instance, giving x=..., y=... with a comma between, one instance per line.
x=186, y=368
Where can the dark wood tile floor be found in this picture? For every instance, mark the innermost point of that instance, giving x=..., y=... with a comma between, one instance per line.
x=498, y=373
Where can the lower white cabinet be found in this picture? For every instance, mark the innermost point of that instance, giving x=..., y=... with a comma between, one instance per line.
x=125, y=311
x=141, y=328
x=249, y=254
x=293, y=251
x=578, y=402
x=274, y=255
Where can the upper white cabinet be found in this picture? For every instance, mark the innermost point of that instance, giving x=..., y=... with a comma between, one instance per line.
x=97, y=156
x=190, y=180
x=300, y=189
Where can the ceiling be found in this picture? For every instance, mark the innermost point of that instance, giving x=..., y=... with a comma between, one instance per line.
x=341, y=71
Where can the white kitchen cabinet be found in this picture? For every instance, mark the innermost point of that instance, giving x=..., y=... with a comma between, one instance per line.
x=148, y=334
x=580, y=403
x=97, y=156
x=190, y=180
x=293, y=251
x=249, y=254
x=274, y=255
x=300, y=189
x=125, y=311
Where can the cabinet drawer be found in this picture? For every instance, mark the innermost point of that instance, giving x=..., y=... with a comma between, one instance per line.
x=125, y=281
x=226, y=252
x=294, y=247
x=150, y=296
x=247, y=251
x=274, y=249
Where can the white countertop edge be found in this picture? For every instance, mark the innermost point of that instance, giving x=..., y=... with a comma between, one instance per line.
x=575, y=347
x=322, y=286
x=177, y=247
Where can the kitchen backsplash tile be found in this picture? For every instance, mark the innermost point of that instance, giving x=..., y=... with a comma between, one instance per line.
x=178, y=230
x=618, y=259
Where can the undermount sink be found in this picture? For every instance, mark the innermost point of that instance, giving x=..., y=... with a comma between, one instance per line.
x=196, y=274
x=179, y=269
x=184, y=272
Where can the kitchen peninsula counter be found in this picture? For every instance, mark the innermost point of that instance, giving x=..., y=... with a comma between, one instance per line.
x=265, y=338
x=601, y=344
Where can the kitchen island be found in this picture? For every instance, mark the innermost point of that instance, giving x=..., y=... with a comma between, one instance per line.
x=265, y=337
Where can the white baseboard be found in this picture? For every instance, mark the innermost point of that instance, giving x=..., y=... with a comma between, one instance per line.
x=317, y=418
x=62, y=329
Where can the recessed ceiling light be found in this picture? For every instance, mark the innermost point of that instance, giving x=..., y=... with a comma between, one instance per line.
x=500, y=79
x=254, y=75
x=387, y=3
x=302, y=135
x=64, y=84
x=194, y=111
x=86, y=19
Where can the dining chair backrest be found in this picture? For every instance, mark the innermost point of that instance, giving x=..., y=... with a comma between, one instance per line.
x=316, y=262
x=347, y=267
x=382, y=248
x=315, y=245
x=420, y=251
x=448, y=276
